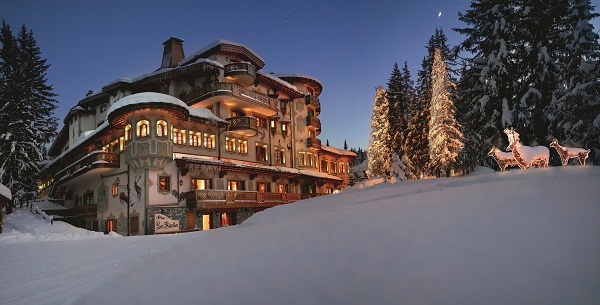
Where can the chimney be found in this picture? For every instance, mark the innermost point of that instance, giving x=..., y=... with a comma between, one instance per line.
x=173, y=52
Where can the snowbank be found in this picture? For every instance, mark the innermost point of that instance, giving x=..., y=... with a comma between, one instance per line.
x=517, y=237
x=4, y=191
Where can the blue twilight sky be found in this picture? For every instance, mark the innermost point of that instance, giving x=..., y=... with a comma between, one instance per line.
x=350, y=46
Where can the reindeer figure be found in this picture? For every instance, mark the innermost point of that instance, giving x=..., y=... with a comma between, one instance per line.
x=526, y=156
x=137, y=188
x=504, y=159
x=567, y=153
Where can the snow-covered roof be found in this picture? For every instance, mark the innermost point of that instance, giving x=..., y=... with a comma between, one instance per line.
x=280, y=81
x=4, y=191
x=145, y=97
x=214, y=44
x=339, y=151
x=204, y=113
x=296, y=75
x=242, y=164
x=86, y=135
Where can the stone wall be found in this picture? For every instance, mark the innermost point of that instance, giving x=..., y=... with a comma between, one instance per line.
x=175, y=213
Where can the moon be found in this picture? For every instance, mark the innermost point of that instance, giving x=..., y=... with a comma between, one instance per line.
x=439, y=13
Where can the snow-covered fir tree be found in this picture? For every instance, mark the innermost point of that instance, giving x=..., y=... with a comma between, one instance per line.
x=26, y=106
x=445, y=137
x=400, y=93
x=534, y=67
x=416, y=145
x=379, y=151
x=574, y=115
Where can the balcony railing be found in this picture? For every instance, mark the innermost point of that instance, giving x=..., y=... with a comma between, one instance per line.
x=313, y=142
x=313, y=122
x=313, y=102
x=233, y=90
x=245, y=125
x=220, y=199
x=95, y=159
x=240, y=68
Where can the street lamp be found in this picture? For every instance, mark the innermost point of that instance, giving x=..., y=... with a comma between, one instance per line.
x=127, y=198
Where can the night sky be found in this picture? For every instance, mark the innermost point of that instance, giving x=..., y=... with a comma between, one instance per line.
x=350, y=46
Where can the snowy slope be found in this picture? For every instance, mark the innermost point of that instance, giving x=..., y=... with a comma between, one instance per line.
x=518, y=237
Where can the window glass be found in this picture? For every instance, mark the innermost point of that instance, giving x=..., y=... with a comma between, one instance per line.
x=164, y=184
x=209, y=141
x=161, y=128
x=142, y=129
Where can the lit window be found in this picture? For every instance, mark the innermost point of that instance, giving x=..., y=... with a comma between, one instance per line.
x=229, y=144
x=236, y=185
x=324, y=168
x=121, y=143
x=201, y=184
x=128, y=132
x=261, y=153
x=195, y=139
x=161, y=128
x=164, y=184
x=242, y=146
x=178, y=136
x=209, y=141
x=114, y=146
x=282, y=188
x=261, y=122
x=263, y=187
x=110, y=225
x=142, y=129
x=105, y=148
x=279, y=157
x=302, y=158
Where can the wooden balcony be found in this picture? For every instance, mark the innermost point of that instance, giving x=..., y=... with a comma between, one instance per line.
x=93, y=160
x=313, y=123
x=245, y=125
x=233, y=96
x=221, y=199
x=313, y=102
x=313, y=142
x=241, y=72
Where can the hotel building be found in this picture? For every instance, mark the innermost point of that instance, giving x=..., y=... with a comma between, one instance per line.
x=203, y=142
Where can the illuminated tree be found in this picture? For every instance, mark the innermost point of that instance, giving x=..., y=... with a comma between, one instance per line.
x=445, y=137
x=379, y=151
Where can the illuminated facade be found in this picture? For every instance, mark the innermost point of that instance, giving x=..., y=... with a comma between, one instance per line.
x=206, y=140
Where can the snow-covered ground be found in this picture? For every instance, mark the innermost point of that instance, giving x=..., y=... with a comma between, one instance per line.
x=518, y=237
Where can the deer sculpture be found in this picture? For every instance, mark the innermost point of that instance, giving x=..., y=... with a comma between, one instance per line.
x=504, y=159
x=567, y=153
x=526, y=156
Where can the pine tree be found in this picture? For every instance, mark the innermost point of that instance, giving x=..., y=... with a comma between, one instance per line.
x=528, y=57
x=379, y=152
x=400, y=96
x=445, y=138
x=27, y=104
x=345, y=145
x=575, y=114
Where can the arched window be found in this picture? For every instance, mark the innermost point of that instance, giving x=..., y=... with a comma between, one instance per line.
x=142, y=129
x=161, y=128
x=128, y=132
